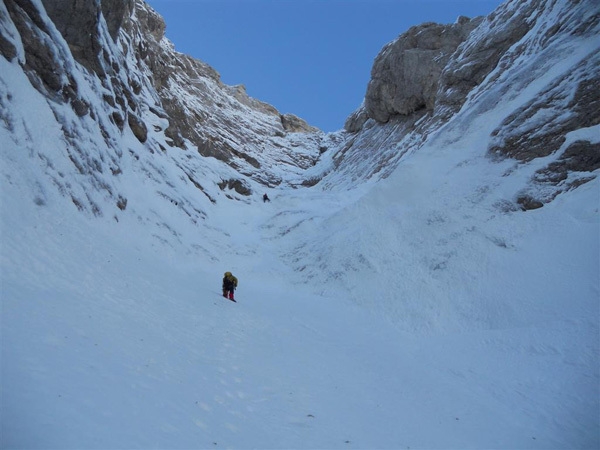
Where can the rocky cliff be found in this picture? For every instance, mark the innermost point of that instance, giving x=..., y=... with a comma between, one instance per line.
x=426, y=77
x=111, y=64
x=108, y=74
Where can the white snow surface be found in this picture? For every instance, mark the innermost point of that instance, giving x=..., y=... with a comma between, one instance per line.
x=419, y=311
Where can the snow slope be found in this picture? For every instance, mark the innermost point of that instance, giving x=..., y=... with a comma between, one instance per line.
x=114, y=339
x=420, y=311
x=109, y=342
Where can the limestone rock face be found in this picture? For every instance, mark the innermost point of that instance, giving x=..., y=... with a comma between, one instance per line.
x=356, y=120
x=295, y=124
x=435, y=75
x=218, y=120
x=107, y=70
x=45, y=67
x=116, y=12
x=478, y=57
x=406, y=73
x=79, y=22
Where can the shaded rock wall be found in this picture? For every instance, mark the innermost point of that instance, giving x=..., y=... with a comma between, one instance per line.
x=406, y=73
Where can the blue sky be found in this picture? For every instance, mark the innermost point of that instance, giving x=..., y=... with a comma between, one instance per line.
x=311, y=58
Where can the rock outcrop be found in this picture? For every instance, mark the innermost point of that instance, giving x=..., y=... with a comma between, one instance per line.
x=424, y=78
x=79, y=24
x=406, y=73
x=566, y=104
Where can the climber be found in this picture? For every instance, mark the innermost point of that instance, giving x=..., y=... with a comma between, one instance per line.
x=266, y=198
x=229, y=285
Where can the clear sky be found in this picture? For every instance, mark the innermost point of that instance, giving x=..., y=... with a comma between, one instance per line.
x=311, y=58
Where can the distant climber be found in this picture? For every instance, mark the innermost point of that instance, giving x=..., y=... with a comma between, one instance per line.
x=229, y=284
x=266, y=198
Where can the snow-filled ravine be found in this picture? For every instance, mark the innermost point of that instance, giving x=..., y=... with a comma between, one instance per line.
x=113, y=339
x=423, y=310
